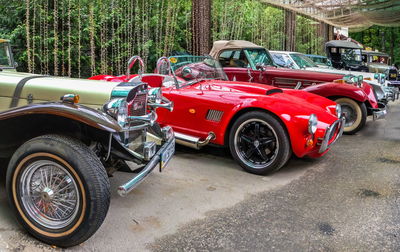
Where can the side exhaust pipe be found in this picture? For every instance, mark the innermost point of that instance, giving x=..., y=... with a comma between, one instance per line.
x=193, y=142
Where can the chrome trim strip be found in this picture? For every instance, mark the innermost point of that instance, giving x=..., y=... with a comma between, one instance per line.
x=325, y=141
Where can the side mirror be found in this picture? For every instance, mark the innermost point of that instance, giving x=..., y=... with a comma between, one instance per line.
x=260, y=66
x=360, y=79
x=187, y=73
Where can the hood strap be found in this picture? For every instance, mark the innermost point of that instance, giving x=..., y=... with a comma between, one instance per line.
x=19, y=87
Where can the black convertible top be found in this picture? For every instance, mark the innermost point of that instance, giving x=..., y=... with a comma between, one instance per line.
x=342, y=44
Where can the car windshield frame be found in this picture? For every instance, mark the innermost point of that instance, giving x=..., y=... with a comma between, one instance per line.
x=213, y=67
x=350, y=55
x=257, y=56
x=302, y=61
x=286, y=60
x=6, y=55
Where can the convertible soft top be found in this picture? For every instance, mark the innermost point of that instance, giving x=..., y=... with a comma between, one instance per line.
x=230, y=44
x=342, y=44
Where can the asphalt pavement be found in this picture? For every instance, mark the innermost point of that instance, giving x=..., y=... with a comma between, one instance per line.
x=344, y=201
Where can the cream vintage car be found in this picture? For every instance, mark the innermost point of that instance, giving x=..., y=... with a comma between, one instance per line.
x=60, y=153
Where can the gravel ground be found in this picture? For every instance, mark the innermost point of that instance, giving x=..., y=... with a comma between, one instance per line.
x=350, y=203
x=345, y=201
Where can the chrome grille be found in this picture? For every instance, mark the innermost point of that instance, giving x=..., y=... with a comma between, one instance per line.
x=139, y=104
x=214, y=115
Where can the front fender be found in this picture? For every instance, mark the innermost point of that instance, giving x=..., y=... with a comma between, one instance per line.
x=338, y=89
x=293, y=116
x=91, y=117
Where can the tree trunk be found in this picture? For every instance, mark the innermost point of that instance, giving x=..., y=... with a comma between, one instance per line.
x=290, y=30
x=201, y=26
x=392, y=43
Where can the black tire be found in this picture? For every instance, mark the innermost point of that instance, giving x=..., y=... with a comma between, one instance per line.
x=356, y=116
x=77, y=181
x=277, y=148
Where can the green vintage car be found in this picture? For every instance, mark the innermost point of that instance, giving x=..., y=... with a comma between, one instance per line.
x=61, y=139
x=7, y=62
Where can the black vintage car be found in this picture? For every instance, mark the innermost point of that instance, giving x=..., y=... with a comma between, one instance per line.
x=393, y=76
x=345, y=55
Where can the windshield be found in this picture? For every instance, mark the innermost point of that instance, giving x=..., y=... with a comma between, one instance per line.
x=351, y=55
x=283, y=60
x=259, y=57
x=302, y=61
x=5, y=56
x=197, y=68
x=378, y=59
x=319, y=60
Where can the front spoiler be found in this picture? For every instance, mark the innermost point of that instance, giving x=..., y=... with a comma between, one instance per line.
x=124, y=189
x=380, y=112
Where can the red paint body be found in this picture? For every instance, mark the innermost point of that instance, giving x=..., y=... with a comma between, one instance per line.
x=314, y=82
x=192, y=103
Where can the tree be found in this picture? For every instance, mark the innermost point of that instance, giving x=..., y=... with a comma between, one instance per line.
x=201, y=26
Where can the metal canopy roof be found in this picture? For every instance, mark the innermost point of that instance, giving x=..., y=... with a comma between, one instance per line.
x=355, y=14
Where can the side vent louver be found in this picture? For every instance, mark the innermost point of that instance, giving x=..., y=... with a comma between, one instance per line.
x=214, y=115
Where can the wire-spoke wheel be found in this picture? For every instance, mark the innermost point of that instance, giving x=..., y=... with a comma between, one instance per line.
x=58, y=189
x=259, y=142
x=355, y=114
x=49, y=194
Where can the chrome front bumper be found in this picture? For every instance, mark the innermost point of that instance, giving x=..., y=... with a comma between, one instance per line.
x=379, y=113
x=337, y=126
x=154, y=162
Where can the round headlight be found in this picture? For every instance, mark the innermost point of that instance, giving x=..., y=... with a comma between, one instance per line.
x=312, y=124
x=155, y=95
x=338, y=110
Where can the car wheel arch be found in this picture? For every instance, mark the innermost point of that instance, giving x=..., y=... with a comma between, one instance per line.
x=251, y=109
x=26, y=127
x=366, y=102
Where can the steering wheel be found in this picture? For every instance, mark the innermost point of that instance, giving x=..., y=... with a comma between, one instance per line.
x=131, y=63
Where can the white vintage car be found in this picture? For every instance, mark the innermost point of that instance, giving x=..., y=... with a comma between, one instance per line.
x=295, y=60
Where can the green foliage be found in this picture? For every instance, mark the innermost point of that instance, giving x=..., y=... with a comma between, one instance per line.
x=81, y=38
x=384, y=39
x=308, y=40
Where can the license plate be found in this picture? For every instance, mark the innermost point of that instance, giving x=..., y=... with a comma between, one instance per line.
x=393, y=75
x=167, y=154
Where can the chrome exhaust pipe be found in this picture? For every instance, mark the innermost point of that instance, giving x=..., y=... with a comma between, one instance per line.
x=193, y=142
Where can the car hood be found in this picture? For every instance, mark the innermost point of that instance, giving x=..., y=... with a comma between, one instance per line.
x=378, y=67
x=47, y=88
x=344, y=72
x=301, y=101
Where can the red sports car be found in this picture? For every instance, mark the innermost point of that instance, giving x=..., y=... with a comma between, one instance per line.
x=245, y=61
x=262, y=125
